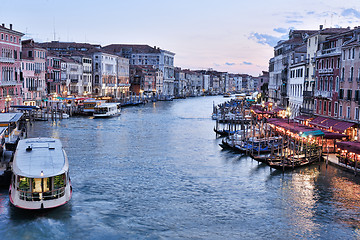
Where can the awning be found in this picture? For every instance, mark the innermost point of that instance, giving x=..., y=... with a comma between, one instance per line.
x=349, y=146
x=333, y=135
x=315, y=133
x=342, y=126
x=328, y=123
x=317, y=120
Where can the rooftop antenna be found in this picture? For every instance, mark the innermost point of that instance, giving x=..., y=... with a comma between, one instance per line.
x=332, y=15
x=54, y=29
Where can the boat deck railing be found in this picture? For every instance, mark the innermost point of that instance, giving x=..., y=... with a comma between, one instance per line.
x=36, y=196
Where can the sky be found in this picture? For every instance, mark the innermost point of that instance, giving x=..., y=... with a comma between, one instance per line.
x=235, y=36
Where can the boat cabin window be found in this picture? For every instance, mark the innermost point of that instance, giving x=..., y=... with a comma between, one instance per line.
x=36, y=189
x=101, y=110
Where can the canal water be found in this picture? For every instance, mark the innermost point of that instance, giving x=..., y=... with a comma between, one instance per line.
x=157, y=172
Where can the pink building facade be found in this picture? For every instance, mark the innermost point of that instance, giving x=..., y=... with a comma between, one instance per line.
x=10, y=85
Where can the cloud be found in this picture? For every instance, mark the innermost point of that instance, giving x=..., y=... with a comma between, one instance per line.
x=247, y=63
x=310, y=13
x=230, y=64
x=264, y=39
x=350, y=12
x=217, y=65
x=280, y=30
x=294, y=21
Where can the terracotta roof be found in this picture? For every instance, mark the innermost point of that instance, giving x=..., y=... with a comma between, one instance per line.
x=134, y=48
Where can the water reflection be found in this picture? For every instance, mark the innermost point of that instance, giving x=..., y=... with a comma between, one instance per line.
x=157, y=172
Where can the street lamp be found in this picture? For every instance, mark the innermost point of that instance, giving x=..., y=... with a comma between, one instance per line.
x=288, y=114
x=7, y=100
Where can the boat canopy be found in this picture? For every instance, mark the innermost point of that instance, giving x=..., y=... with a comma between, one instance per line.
x=10, y=117
x=39, y=158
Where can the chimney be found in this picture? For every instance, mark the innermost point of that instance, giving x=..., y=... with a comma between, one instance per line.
x=3, y=24
x=10, y=26
x=321, y=27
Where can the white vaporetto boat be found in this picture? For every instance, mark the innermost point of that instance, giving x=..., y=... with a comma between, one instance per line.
x=40, y=174
x=107, y=110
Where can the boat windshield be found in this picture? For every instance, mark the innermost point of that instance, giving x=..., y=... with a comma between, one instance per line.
x=101, y=110
x=36, y=189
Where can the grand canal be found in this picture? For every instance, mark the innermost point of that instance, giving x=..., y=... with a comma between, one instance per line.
x=157, y=172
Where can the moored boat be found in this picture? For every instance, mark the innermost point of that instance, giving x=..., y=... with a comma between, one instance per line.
x=40, y=177
x=107, y=110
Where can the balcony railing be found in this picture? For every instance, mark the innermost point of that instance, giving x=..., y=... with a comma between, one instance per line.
x=326, y=70
x=305, y=110
x=74, y=80
x=325, y=94
x=308, y=94
x=8, y=83
x=37, y=70
x=7, y=60
x=35, y=196
x=32, y=88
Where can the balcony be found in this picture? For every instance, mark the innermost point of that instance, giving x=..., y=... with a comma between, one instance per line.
x=74, y=80
x=32, y=88
x=308, y=94
x=306, y=111
x=326, y=70
x=324, y=94
x=332, y=51
x=8, y=83
x=37, y=71
x=7, y=60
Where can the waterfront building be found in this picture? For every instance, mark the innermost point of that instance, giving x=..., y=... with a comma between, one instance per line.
x=112, y=73
x=297, y=70
x=86, y=71
x=53, y=74
x=10, y=85
x=313, y=42
x=206, y=83
x=179, y=83
x=33, y=70
x=327, y=78
x=72, y=76
x=238, y=82
x=143, y=79
x=123, y=77
x=146, y=55
x=104, y=73
x=263, y=82
x=350, y=75
x=279, y=66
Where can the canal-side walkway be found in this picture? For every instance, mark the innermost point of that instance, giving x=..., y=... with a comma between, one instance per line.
x=333, y=160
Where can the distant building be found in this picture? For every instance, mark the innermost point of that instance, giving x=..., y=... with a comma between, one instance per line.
x=146, y=55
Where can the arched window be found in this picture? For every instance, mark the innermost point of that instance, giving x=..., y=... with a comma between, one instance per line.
x=326, y=85
x=321, y=84
x=331, y=84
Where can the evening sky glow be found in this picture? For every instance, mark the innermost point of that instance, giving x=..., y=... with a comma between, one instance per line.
x=228, y=35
